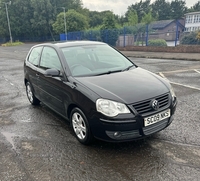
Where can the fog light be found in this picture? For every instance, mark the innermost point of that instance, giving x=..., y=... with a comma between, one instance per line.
x=117, y=134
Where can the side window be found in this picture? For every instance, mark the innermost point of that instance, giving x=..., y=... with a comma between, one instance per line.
x=50, y=59
x=34, y=56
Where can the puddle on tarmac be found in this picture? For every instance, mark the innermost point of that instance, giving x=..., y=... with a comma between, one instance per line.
x=9, y=138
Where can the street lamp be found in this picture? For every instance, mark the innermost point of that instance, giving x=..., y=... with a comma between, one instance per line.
x=8, y=3
x=65, y=22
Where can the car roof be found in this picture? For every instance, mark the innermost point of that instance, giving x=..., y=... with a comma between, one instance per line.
x=62, y=44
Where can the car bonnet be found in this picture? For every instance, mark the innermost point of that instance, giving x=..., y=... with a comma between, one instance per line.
x=129, y=86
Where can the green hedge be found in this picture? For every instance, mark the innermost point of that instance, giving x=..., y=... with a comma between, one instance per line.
x=157, y=42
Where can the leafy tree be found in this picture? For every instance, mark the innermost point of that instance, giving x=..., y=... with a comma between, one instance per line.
x=33, y=18
x=196, y=7
x=161, y=10
x=68, y=4
x=178, y=9
x=43, y=16
x=147, y=18
x=109, y=33
x=140, y=8
x=74, y=21
x=132, y=18
x=96, y=18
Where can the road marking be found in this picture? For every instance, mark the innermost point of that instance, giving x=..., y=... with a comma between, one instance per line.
x=177, y=71
x=191, y=87
x=197, y=71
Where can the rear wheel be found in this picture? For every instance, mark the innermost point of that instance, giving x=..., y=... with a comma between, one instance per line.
x=31, y=97
x=81, y=127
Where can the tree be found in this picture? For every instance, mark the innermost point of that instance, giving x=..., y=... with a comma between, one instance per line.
x=43, y=16
x=33, y=18
x=196, y=7
x=68, y=4
x=147, y=18
x=20, y=13
x=96, y=18
x=140, y=8
x=74, y=20
x=132, y=18
x=109, y=33
x=178, y=9
x=161, y=10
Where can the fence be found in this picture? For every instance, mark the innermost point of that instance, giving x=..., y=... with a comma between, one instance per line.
x=128, y=36
x=138, y=35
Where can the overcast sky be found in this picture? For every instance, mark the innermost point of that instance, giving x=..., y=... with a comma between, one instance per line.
x=118, y=6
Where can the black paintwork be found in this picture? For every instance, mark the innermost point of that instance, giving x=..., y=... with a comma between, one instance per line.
x=63, y=92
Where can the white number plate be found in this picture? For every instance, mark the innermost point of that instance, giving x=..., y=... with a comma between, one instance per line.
x=156, y=118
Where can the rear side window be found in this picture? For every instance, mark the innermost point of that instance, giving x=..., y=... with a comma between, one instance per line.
x=34, y=56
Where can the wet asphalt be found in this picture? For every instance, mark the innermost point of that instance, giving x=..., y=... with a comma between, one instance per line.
x=37, y=144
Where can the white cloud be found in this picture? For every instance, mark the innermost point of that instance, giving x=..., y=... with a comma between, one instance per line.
x=118, y=6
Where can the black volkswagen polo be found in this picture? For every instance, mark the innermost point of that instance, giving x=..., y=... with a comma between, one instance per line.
x=100, y=91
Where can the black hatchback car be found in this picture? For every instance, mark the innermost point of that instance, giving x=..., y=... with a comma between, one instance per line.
x=100, y=91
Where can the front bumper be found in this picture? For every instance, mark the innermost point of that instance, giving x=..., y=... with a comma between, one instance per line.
x=128, y=127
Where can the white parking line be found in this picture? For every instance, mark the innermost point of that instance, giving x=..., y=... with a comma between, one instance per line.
x=197, y=71
x=162, y=75
x=177, y=71
x=191, y=87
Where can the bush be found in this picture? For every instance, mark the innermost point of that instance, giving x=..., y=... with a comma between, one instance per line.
x=157, y=43
x=190, y=39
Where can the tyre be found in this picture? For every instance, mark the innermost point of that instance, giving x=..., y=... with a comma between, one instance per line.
x=31, y=97
x=81, y=127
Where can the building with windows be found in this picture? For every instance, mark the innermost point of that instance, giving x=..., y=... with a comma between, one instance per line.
x=192, y=21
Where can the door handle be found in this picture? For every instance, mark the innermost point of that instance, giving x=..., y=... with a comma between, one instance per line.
x=37, y=75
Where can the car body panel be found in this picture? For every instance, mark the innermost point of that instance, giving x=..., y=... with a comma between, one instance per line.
x=119, y=86
x=63, y=92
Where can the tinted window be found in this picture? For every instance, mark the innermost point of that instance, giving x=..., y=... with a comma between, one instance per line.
x=34, y=56
x=50, y=59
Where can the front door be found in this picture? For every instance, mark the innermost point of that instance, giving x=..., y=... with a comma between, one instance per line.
x=51, y=88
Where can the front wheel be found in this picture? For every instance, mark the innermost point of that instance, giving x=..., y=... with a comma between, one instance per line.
x=81, y=127
x=31, y=97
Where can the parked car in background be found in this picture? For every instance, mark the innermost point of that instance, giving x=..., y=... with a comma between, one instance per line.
x=101, y=92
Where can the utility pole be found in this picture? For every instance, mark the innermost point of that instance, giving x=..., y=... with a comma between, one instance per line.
x=8, y=3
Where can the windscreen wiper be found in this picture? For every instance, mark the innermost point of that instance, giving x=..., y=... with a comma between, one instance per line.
x=109, y=72
x=128, y=68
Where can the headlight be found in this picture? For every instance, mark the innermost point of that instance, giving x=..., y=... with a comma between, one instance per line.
x=172, y=93
x=111, y=108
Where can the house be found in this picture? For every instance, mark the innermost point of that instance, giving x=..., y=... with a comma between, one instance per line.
x=166, y=29
x=192, y=21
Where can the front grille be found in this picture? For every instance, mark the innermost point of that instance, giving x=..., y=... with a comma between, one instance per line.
x=145, y=106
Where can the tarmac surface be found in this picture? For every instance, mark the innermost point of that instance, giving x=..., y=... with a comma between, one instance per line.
x=37, y=144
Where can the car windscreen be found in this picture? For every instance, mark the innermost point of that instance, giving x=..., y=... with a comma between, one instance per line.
x=93, y=60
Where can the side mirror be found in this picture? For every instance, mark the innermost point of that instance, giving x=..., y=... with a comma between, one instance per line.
x=52, y=73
